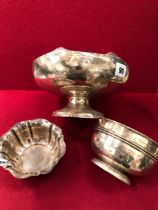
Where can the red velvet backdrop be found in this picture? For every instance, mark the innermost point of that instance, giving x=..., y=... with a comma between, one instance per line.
x=29, y=29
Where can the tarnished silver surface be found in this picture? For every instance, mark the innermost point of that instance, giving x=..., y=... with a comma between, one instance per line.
x=78, y=74
x=123, y=150
x=31, y=148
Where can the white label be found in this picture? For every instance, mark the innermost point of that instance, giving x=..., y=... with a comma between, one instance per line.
x=4, y=162
x=120, y=70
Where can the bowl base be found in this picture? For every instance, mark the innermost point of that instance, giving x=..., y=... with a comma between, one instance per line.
x=78, y=104
x=80, y=112
x=111, y=170
x=35, y=159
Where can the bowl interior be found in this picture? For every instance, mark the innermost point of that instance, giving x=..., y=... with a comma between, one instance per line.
x=32, y=147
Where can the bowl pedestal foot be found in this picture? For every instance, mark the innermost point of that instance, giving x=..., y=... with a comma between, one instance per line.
x=78, y=105
x=111, y=170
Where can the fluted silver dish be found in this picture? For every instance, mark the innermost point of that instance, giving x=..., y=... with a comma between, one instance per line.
x=31, y=148
x=122, y=150
x=78, y=74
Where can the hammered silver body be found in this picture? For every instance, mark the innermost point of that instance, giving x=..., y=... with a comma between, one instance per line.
x=78, y=74
x=31, y=148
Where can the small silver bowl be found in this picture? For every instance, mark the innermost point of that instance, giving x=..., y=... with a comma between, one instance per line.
x=31, y=148
x=122, y=150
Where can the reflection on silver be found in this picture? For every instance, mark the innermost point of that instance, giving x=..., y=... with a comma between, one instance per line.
x=123, y=150
x=78, y=74
x=31, y=148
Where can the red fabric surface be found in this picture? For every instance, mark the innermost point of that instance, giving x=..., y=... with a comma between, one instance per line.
x=30, y=28
x=75, y=182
